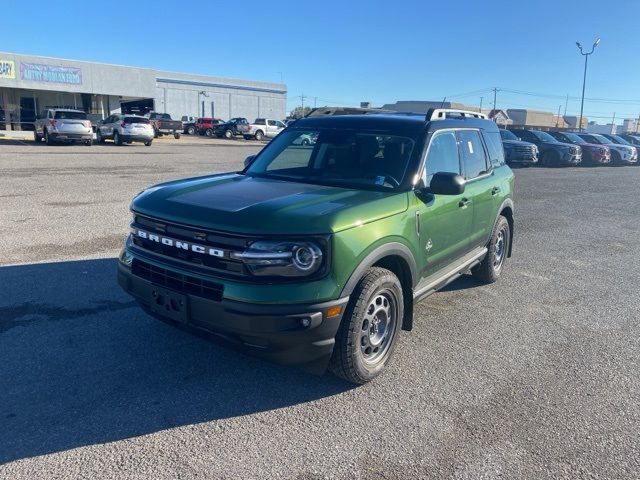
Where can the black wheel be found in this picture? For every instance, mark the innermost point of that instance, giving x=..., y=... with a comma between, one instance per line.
x=156, y=134
x=259, y=135
x=247, y=137
x=228, y=134
x=148, y=144
x=615, y=158
x=99, y=137
x=176, y=135
x=36, y=138
x=369, y=328
x=47, y=139
x=550, y=158
x=88, y=143
x=208, y=132
x=116, y=138
x=491, y=267
x=191, y=130
x=306, y=142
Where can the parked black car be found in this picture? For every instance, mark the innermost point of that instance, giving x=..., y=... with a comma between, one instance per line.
x=632, y=138
x=232, y=128
x=516, y=151
x=552, y=152
x=592, y=153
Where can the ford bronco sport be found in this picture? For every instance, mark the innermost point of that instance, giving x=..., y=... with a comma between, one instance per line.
x=316, y=253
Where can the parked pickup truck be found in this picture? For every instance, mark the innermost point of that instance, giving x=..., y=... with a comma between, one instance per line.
x=188, y=125
x=264, y=127
x=164, y=125
x=232, y=128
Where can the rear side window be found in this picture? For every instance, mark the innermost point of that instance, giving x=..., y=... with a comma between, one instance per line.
x=271, y=123
x=474, y=160
x=71, y=115
x=259, y=121
x=442, y=156
x=495, y=148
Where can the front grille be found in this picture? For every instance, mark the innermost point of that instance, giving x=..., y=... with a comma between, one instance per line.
x=224, y=266
x=176, y=281
x=524, y=150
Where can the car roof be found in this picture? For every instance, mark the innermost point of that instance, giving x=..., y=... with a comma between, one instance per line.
x=66, y=110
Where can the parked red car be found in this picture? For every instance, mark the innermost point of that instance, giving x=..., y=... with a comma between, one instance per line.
x=204, y=125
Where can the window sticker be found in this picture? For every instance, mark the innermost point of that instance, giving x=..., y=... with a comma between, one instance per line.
x=470, y=147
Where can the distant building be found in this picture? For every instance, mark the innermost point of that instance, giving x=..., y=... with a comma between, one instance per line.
x=423, y=106
x=500, y=117
x=609, y=128
x=537, y=119
x=573, y=120
x=630, y=125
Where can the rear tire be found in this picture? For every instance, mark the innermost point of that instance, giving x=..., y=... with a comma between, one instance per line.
x=47, y=139
x=369, y=329
x=99, y=137
x=208, y=132
x=176, y=135
x=148, y=144
x=491, y=266
x=191, y=130
x=116, y=138
x=36, y=138
x=259, y=135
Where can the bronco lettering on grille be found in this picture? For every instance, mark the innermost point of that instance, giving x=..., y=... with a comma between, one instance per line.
x=170, y=242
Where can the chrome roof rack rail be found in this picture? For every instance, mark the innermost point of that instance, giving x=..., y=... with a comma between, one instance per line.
x=444, y=113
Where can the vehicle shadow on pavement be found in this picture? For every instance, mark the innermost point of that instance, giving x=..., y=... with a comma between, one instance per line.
x=81, y=364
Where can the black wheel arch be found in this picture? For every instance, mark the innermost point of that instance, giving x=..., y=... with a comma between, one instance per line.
x=506, y=210
x=397, y=258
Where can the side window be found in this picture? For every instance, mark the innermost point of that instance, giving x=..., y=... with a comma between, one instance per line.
x=474, y=160
x=495, y=148
x=442, y=155
x=271, y=123
x=279, y=124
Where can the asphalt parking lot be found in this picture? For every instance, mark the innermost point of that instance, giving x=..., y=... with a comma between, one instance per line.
x=533, y=377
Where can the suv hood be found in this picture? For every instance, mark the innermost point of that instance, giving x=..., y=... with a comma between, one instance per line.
x=242, y=204
x=517, y=142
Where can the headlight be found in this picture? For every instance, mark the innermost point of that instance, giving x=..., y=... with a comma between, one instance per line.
x=281, y=258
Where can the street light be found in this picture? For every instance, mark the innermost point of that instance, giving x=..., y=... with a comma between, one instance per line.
x=584, y=78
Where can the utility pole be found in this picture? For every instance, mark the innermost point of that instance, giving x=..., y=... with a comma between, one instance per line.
x=613, y=124
x=302, y=99
x=558, y=117
x=480, y=111
x=584, y=77
x=638, y=123
x=566, y=103
x=495, y=93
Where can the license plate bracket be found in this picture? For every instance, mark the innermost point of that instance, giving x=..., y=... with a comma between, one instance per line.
x=169, y=304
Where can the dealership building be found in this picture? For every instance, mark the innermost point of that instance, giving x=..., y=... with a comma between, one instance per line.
x=30, y=84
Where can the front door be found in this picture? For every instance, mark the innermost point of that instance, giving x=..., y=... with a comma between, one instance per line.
x=445, y=221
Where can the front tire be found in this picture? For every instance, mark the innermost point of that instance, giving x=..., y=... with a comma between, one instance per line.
x=47, y=139
x=36, y=138
x=369, y=329
x=491, y=266
x=116, y=139
x=208, y=132
x=148, y=144
x=176, y=135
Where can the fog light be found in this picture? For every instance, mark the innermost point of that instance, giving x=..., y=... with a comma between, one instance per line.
x=305, y=322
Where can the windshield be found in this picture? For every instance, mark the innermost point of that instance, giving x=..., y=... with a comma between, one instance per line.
x=573, y=138
x=600, y=139
x=544, y=136
x=507, y=135
x=61, y=114
x=136, y=120
x=344, y=158
x=619, y=139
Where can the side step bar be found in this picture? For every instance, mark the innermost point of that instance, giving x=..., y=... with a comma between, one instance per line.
x=444, y=279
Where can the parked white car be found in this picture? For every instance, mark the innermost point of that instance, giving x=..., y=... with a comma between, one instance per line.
x=63, y=125
x=264, y=128
x=122, y=128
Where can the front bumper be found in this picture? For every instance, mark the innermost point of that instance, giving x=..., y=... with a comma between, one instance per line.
x=571, y=158
x=276, y=332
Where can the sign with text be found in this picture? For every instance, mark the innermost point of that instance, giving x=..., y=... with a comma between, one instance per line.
x=37, y=72
x=7, y=69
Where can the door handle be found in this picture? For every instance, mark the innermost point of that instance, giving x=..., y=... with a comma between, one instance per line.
x=495, y=190
x=464, y=203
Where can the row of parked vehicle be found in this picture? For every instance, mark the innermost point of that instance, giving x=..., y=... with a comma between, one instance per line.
x=260, y=129
x=525, y=147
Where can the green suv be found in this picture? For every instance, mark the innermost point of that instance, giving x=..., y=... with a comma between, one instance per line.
x=316, y=253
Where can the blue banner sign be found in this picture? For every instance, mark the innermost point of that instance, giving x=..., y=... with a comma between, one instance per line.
x=37, y=72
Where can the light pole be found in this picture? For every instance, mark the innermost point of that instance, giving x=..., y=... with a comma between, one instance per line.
x=584, y=78
x=204, y=94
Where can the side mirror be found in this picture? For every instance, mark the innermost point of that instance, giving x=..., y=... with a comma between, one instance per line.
x=249, y=160
x=446, y=183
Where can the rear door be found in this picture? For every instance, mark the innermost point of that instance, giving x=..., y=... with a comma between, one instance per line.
x=445, y=221
x=481, y=187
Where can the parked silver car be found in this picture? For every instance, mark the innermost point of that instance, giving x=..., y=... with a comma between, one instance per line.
x=264, y=127
x=123, y=128
x=63, y=125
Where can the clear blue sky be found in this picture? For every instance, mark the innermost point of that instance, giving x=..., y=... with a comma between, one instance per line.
x=346, y=51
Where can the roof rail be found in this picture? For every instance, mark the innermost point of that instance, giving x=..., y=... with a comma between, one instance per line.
x=443, y=113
